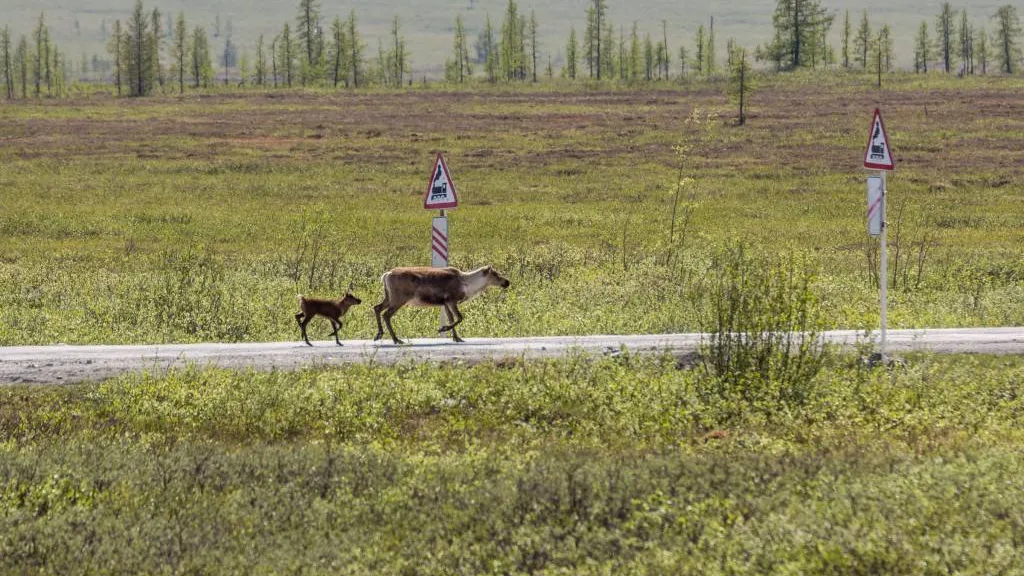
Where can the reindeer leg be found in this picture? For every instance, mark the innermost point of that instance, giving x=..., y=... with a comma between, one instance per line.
x=337, y=326
x=376, y=311
x=302, y=326
x=387, y=320
x=456, y=317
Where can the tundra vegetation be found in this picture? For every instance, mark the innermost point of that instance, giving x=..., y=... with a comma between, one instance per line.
x=196, y=218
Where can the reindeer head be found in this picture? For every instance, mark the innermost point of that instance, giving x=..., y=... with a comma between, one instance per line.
x=350, y=298
x=495, y=279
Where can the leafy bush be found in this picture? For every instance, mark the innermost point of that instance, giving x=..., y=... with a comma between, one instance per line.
x=763, y=326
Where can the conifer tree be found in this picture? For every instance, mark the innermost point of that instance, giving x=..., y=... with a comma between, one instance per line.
x=356, y=48
x=511, y=41
x=981, y=49
x=845, y=39
x=201, y=60
x=339, y=46
x=922, y=49
x=571, y=55
x=180, y=51
x=114, y=45
x=740, y=82
x=307, y=24
x=461, y=65
x=862, y=41
x=966, y=40
x=6, y=65
x=635, y=55
x=945, y=29
x=490, y=50
x=286, y=55
x=532, y=35
x=1007, y=38
x=260, y=66
x=700, y=55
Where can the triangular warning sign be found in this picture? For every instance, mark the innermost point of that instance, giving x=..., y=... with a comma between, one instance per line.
x=878, y=154
x=441, y=188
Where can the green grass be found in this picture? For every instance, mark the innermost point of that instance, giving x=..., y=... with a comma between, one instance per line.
x=108, y=204
x=199, y=218
x=575, y=465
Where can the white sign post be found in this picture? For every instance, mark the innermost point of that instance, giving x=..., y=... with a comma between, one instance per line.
x=878, y=155
x=440, y=195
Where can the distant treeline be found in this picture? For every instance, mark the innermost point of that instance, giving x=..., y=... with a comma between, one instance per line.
x=152, y=52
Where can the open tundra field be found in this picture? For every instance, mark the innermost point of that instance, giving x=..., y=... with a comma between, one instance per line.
x=199, y=219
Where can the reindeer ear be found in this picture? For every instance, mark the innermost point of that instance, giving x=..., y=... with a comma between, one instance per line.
x=351, y=285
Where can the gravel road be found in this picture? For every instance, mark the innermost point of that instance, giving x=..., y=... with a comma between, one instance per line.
x=62, y=364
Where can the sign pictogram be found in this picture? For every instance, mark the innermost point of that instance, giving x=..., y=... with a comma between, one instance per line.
x=878, y=154
x=441, y=188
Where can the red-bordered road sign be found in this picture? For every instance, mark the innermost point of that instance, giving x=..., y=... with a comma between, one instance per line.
x=878, y=154
x=440, y=192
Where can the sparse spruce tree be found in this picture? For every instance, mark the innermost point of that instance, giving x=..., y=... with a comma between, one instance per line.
x=981, y=49
x=492, y=63
x=201, y=60
x=635, y=55
x=682, y=61
x=885, y=44
x=260, y=68
x=356, y=49
x=460, y=66
x=511, y=57
x=398, y=56
x=699, y=56
x=666, y=61
x=600, y=10
x=41, y=61
x=286, y=55
x=6, y=64
x=531, y=33
x=180, y=51
x=648, y=58
x=339, y=47
x=608, y=51
x=800, y=26
x=140, y=63
x=1007, y=38
x=273, y=59
x=709, y=50
x=114, y=45
x=307, y=24
x=845, y=39
x=155, y=46
x=945, y=29
x=740, y=85
x=22, y=66
x=965, y=35
x=571, y=55
x=862, y=41
x=922, y=49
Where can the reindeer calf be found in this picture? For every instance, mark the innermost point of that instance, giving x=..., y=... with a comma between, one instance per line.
x=333, y=310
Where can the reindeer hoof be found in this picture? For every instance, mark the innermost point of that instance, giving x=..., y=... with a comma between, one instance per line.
x=310, y=344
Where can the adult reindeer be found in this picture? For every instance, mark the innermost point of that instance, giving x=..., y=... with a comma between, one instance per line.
x=422, y=286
